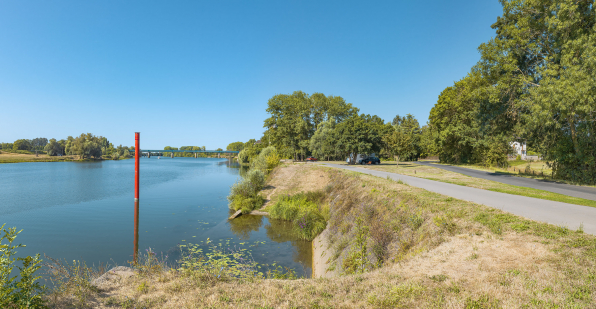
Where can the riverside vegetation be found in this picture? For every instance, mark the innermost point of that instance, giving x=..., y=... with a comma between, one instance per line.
x=244, y=195
x=391, y=245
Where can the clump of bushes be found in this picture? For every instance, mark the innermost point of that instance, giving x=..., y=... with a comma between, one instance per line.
x=305, y=210
x=244, y=194
x=25, y=292
x=266, y=161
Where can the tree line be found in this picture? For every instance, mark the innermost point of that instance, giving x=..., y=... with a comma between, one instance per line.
x=85, y=146
x=189, y=154
x=329, y=128
x=535, y=83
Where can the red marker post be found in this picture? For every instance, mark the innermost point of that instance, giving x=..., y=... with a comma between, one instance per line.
x=137, y=161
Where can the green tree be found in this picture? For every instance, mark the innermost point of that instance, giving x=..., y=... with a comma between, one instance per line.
x=53, y=148
x=399, y=142
x=455, y=119
x=428, y=141
x=22, y=144
x=37, y=144
x=295, y=118
x=85, y=146
x=409, y=126
x=359, y=134
x=322, y=143
x=235, y=146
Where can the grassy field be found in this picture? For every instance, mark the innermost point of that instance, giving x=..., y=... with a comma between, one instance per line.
x=433, y=173
x=8, y=157
x=391, y=246
x=520, y=168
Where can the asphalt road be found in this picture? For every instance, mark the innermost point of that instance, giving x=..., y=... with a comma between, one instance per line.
x=588, y=193
x=557, y=213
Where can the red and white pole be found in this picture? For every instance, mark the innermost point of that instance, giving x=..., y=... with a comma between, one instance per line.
x=136, y=224
x=137, y=156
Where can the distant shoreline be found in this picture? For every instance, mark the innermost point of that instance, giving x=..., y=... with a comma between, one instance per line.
x=10, y=157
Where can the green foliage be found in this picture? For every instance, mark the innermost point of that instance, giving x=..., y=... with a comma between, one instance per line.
x=22, y=144
x=267, y=160
x=235, y=146
x=6, y=146
x=84, y=146
x=304, y=210
x=295, y=118
x=534, y=82
x=454, y=119
x=26, y=292
x=357, y=261
x=322, y=143
x=244, y=195
x=359, y=134
x=243, y=157
x=53, y=148
x=220, y=262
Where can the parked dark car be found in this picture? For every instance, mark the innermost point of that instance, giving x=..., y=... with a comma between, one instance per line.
x=370, y=160
x=311, y=159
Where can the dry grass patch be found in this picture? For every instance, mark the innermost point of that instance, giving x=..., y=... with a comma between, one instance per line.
x=9, y=157
x=291, y=178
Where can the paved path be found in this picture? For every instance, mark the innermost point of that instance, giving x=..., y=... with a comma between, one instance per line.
x=588, y=193
x=557, y=213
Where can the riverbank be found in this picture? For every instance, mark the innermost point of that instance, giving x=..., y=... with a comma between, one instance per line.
x=10, y=157
x=388, y=244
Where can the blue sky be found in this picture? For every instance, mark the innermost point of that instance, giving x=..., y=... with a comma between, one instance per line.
x=200, y=72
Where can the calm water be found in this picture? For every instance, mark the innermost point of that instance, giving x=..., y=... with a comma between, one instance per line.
x=84, y=211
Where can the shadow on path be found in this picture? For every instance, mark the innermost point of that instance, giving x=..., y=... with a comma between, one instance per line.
x=588, y=193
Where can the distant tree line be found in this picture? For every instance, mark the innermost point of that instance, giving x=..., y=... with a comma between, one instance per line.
x=187, y=154
x=85, y=146
x=327, y=127
x=535, y=82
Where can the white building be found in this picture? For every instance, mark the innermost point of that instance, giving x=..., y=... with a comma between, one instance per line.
x=519, y=149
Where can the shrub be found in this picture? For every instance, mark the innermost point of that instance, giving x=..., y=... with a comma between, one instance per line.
x=244, y=194
x=26, y=292
x=243, y=157
x=267, y=160
x=257, y=179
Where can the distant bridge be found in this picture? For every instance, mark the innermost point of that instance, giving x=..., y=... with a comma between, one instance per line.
x=148, y=152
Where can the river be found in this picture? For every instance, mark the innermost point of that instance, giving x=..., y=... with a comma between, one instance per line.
x=84, y=211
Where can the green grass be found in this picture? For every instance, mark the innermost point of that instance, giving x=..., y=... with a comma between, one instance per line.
x=304, y=210
x=437, y=174
x=545, y=195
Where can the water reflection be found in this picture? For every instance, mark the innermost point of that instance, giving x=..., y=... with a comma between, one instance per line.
x=281, y=231
x=242, y=226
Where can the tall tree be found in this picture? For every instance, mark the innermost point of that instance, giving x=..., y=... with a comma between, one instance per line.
x=359, y=134
x=322, y=143
x=295, y=118
x=399, y=142
x=236, y=146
